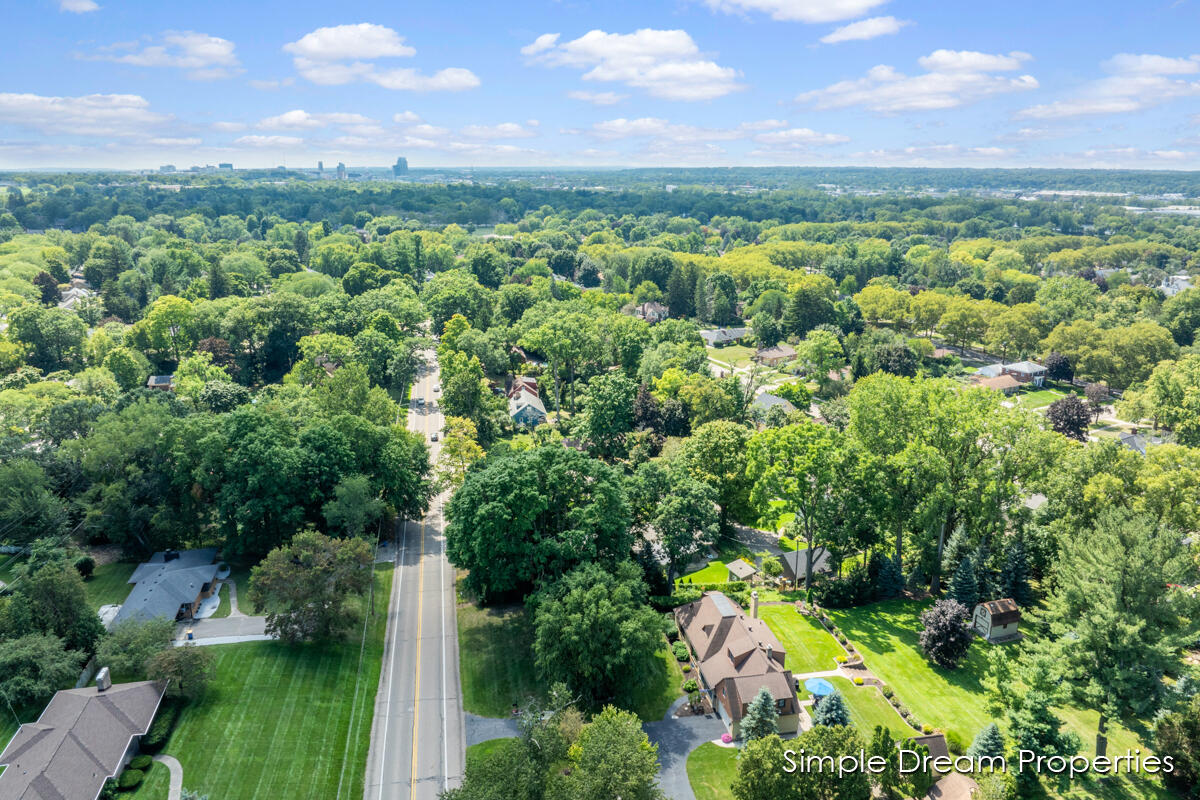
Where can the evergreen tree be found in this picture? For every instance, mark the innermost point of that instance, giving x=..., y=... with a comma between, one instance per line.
x=762, y=718
x=679, y=295
x=890, y=581
x=700, y=299
x=1014, y=578
x=964, y=587
x=957, y=546
x=831, y=710
x=988, y=742
x=218, y=282
x=884, y=746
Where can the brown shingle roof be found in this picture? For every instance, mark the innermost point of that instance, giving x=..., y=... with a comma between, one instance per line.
x=1003, y=611
x=999, y=383
x=78, y=742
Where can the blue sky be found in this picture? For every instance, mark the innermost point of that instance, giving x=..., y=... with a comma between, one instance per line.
x=105, y=83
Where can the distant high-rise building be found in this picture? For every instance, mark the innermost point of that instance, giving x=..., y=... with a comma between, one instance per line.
x=226, y=165
x=400, y=167
x=167, y=168
x=341, y=171
x=320, y=167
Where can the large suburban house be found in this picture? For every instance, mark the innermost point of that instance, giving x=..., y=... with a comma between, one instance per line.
x=765, y=401
x=652, y=312
x=737, y=655
x=1022, y=372
x=774, y=356
x=83, y=738
x=171, y=584
x=1174, y=284
x=525, y=403
x=719, y=337
x=1005, y=384
x=997, y=621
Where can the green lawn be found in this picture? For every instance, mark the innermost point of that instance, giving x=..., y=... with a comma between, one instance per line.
x=1039, y=399
x=109, y=584
x=282, y=720
x=155, y=785
x=736, y=354
x=810, y=648
x=715, y=572
x=711, y=770
x=225, y=607
x=869, y=708
x=654, y=693
x=495, y=658
x=478, y=752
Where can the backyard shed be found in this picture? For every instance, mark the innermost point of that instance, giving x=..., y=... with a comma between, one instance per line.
x=997, y=620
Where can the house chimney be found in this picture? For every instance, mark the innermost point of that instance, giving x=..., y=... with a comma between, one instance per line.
x=103, y=680
x=770, y=652
x=754, y=604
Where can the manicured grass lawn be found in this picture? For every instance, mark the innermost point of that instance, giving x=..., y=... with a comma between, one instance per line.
x=711, y=770
x=1039, y=399
x=654, y=693
x=736, y=354
x=478, y=752
x=109, y=584
x=869, y=708
x=715, y=572
x=225, y=607
x=495, y=659
x=810, y=648
x=282, y=720
x=155, y=785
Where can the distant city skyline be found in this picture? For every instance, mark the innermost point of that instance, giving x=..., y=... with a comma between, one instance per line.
x=107, y=84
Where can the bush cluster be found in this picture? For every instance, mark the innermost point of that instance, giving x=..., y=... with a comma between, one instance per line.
x=156, y=738
x=141, y=762
x=130, y=779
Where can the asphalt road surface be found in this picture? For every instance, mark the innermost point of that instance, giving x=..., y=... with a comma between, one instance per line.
x=417, y=745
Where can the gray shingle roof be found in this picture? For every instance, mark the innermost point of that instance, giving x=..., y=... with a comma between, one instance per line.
x=166, y=582
x=79, y=742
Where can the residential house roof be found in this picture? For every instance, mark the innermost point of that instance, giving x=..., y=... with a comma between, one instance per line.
x=797, y=560
x=777, y=351
x=1000, y=383
x=731, y=646
x=524, y=383
x=741, y=569
x=722, y=335
x=168, y=581
x=525, y=400
x=767, y=401
x=1137, y=442
x=936, y=743
x=78, y=742
x=1003, y=611
x=160, y=381
x=1026, y=368
x=990, y=370
x=175, y=559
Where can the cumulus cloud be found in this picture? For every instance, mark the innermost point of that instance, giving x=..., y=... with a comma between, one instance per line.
x=87, y=115
x=954, y=78
x=342, y=54
x=865, y=29
x=794, y=138
x=934, y=155
x=299, y=119
x=205, y=57
x=406, y=116
x=229, y=127
x=597, y=98
x=675, y=141
x=504, y=130
x=271, y=85
x=663, y=63
x=1134, y=82
x=255, y=140
x=799, y=10
x=78, y=6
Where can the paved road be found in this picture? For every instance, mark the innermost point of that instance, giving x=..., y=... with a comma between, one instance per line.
x=417, y=741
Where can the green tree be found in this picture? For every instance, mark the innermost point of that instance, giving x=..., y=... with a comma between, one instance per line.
x=607, y=414
x=306, y=587
x=988, y=743
x=128, y=647
x=594, y=632
x=884, y=746
x=35, y=666
x=1177, y=736
x=52, y=337
x=762, y=771
x=761, y=718
x=29, y=510
x=460, y=449
x=831, y=710
x=50, y=598
x=715, y=454
x=685, y=521
x=187, y=670
x=355, y=506
x=613, y=759
x=529, y=517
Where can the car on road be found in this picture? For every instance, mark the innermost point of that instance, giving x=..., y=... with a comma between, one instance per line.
x=433, y=437
x=420, y=401
x=437, y=389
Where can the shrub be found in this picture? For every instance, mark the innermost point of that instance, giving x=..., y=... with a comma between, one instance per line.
x=85, y=566
x=156, y=738
x=726, y=737
x=690, y=686
x=130, y=779
x=680, y=650
x=955, y=743
x=141, y=762
x=840, y=659
x=887, y=692
x=926, y=728
x=858, y=681
x=687, y=668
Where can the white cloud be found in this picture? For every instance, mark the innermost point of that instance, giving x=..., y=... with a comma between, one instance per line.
x=255, y=140
x=229, y=127
x=299, y=119
x=505, y=130
x=865, y=29
x=664, y=63
x=955, y=78
x=934, y=155
x=344, y=54
x=799, y=138
x=341, y=42
x=597, y=98
x=174, y=141
x=271, y=85
x=205, y=57
x=78, y=6
x=88, y=115
x=541, y=43
x=1135, y=82
x=405, y=116
x=799, y=10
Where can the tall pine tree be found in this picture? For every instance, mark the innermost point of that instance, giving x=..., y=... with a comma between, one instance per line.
x=1014, y=578
x=762, y=718
x=989, y=742
x=831, y=710
x=965, y=587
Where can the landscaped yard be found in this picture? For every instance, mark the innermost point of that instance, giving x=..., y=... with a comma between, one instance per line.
x=1039, y=398
x=809, y=647
x=109, y=584
x=727, y=550
x=736, y=355
x=225, y=606
x=654, y=693
x=711, y=770
x=495, y=647
x=155, y=785
x=869, y=708
x=282, y=720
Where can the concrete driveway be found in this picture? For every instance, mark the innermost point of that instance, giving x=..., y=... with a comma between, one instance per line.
x=676, y=737
x=226, y=630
